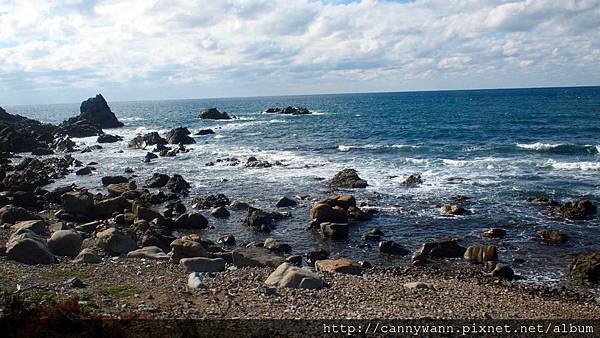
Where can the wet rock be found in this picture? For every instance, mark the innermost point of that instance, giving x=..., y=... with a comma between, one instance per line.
x=438, y=249
x=29, y=250
x=503, y=271
x=108, y=180
x=347, y=178
x=11, y=214
x=202, y=264
x=179, y=136
x=227, y=239
x=185, y=248
x=115, y=242
x=220, y=212
x=253, y=162
x=313, y=256
x=413, y=180
x=343, y=201
x=289, y=111
x=148, y=214
x=277, y=246
x=75, y=127
x=178, y=185
x=254, y=256
x=210, y=201
x=21, y=134
x=578, y=210
x=286, y=202
x=392, y=248
x=324, y=213
x=40, y=151
x=289, y=276
x=294, y=260
x=335, y=231
x=495, y=233
x=107, y=207
x=35, y=226
x=213, y=114
x=106, y=138
x=149, y=157
x=453, y=209
x=149, y=252
x=84, y=171
x=481, y=253
x=157, y=181
x=118, y=189
x=543, y=200
x=585, y=269
x=340, y=265
x=259, y=220
x=79, y=203
x=552, y=236
x=203, y=132
x=373, y=234
x=65, y=243
x=88, y=256
x=239, y=205
x=192, y=221
x=96, y=111
x=149, y=139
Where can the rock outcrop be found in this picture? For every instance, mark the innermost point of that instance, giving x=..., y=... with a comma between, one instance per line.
x=586, y=268
x=213, y=114
x=289, y=276
x=289, y=111
x=347, y=178
x=179, y=136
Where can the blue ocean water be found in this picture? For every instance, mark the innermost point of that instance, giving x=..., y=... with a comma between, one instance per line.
x=497, y=147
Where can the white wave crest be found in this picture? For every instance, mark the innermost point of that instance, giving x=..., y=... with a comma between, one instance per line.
x=584, y=165
x=538, y=146
x=344, y=147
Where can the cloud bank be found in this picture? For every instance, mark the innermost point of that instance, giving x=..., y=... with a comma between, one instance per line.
x=62, y=51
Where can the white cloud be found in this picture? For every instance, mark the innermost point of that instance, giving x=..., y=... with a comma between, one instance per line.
x=251, y=47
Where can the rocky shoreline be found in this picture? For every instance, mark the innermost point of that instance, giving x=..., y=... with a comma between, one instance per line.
x=125, y=250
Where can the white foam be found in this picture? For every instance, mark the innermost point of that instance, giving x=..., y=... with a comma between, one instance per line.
x=584, y=165
x=344, y=147
x=538, y=146
x=277, y=121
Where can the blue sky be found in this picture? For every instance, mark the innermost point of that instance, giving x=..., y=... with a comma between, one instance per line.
x=65, y=51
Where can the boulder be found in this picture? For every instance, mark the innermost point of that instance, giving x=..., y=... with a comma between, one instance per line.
x=97, y=111
x=552, y=236
x=185, y=248
x=107, y=207
x=277, y=246
x=585, y=269
x=440, y=249
x=108, y=180
x=195, y=281
x=118, y=189
x=11, y=214
x=141, y=212
x=481, y=253
x=179, y=136
x=150, y=139
x=213, y=114
x=253, y=162
x=83, y=171
x=210, y=201
x=87, y=256
x=259, y=220
x=342, y=201
x=178, y=185
x=340, y=265
x=203, y=264
x=148, y=252
x=347, y=178
x=289, y=276
x=192, y=220
x=65, y=243
x=203, y=132
x=157, y=181
x=503, y=271
x=254, y=256
x=413, y=180
x=335, y=231
x=324, y=213
x=495, y=233
x=106, y=138
x=78, y=203
x=220, y=212
x=115, y=242
x=227, y=239
x=392, y=248
x=35, y=226
x=29, y=251
x=453, y=209
x=578, y=210
x=286, y=202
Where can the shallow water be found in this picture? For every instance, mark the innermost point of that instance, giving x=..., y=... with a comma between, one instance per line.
x=506, y=145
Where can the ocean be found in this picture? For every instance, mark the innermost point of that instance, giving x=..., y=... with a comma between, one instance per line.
x=497, y=147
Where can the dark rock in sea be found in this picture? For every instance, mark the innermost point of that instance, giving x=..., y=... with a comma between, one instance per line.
x=97, y=111
x=453, y=209
x=213, y=114
x=439, y=249
x=347, y=178
x=335, y=231
x=277, y=246
x=178, y=185
x=179, y=136
x=192, y=221
x=552, y=236
x=149, y=157
x=374, y=234
x=64, y=144
x=237, y=205
x=495, y=233
x=543, y=200
x=585, y=269
x=481, y=253
x=288, y=111
x=89, y=149
x=413, y=180
x=313, y=256
x=84, y=171
x=324, y=213
x=20, y=134
x=210, y=201
x=106, y=180
x=32, y=173
x=220, y=212
x=578, y=210
x=286, y=202
x=42, y=151
x=259, y=220
x=150, y=139
x=503, y=271
x=157, y=181
x=106, y=138
x=80, y=128
x=227, y=239
x=203, y=132
x=392, y=248
x=253, y=162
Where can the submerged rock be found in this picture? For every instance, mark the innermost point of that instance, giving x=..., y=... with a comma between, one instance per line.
x=578, y=210
x=453, y=209
x=286, y=202
x=495, y=233
x=203, y=132
x=335, y=231
x=289, y=276
x=392, y=248
x=213, y=114
x=552, y=236
x=347, y=178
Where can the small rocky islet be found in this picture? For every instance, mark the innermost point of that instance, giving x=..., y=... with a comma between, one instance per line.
x=138, y=240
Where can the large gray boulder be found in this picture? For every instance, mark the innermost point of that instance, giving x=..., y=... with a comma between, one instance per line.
x=29, y=251
x=11, y=214
x=289, y=276
x=213, y=114
x=148, y=252
x=109, y=206
x=185, y=248
x=65, y=243
x=253, y=256
x=78, y=203
x=203, y=264
x=115, y=242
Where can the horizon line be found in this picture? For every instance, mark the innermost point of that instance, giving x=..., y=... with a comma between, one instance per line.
x=311, y=94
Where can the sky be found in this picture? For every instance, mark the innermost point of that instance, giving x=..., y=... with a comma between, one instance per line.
x=66, y=51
